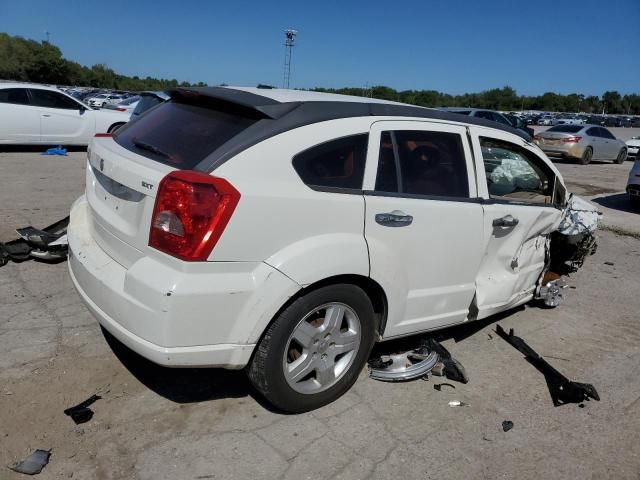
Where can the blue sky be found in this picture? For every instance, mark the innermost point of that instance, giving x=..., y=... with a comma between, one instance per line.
x=585, y=46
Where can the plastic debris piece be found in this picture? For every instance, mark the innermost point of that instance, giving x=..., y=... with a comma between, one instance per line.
x=81, y=413
x=458, y=403
x=50, y=243
x=33, y=464
x=55, y=151
x=611, y=264
x=507, y=425
x=561, y=389
x=438, y=386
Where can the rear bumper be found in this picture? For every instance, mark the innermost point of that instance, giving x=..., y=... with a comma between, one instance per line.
x=208, y=314
x=571, y=151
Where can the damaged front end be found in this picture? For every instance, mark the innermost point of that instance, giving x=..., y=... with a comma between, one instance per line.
x=567, y=249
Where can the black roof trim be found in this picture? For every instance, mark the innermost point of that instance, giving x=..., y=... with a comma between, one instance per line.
x=276, y=117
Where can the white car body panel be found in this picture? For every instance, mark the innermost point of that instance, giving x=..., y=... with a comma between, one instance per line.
x=66, y=126
x=19, y=124
x=284, y=236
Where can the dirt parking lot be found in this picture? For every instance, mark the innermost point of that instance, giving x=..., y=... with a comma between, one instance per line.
x=156, y=423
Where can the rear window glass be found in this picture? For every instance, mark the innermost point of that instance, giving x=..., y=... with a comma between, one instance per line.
x=338, y=163
x=180, y=135
x=566, y=128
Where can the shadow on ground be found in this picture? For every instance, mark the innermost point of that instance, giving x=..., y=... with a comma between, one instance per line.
x=190, y=385
x=182, y=385
x=618, y=201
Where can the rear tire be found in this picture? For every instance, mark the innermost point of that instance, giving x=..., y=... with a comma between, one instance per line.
x=622, y=156
x=586, y=156
x=295, y=365
x=114, y=127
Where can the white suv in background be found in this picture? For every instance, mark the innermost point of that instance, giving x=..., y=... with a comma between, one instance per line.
x=287, y=231
x=36, y=114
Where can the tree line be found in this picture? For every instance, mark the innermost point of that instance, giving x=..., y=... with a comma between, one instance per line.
x=504, y=99
x=42, y=62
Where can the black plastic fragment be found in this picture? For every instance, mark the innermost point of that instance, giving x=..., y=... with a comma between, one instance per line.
x=34, y=463
x=561, y=389
x=438, y=386
x=36, y=241
x=507, y=425
x=453, y=369
x=81, y=413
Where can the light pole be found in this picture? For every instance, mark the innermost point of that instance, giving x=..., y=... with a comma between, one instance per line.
x=289, y=43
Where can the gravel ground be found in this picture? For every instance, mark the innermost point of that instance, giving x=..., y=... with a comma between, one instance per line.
x=157, y=423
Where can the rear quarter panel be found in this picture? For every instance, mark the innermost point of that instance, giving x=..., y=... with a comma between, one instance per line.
x=308, y=235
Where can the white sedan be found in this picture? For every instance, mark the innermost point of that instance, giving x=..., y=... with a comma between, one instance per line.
x=37, y=114
x=633, y=146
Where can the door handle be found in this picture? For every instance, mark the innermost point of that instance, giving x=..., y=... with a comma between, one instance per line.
x=46, y=115
x=506, y=221
x=396, y=218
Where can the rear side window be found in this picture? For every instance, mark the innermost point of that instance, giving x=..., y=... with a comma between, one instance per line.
x=335, y=164
x=566, y=128
x=14, y=95
x=180, y=135
x=604, y=133
x=419, y=162
x=593, y=132
x=49, y=99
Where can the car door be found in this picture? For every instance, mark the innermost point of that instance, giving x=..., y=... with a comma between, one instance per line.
x=19, y=121
x=62, y=119
x=611, y=146
x=519, y=213
x=597, y=143
x=423, y=223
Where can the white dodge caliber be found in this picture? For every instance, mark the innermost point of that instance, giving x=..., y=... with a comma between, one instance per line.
x=287, y=231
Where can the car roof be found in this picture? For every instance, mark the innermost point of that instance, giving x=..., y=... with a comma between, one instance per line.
x=281, y=110
x=11, y=84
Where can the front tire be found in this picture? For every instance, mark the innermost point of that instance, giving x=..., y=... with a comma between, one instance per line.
x=586, y=156
x=315, y=349
x=622, y=156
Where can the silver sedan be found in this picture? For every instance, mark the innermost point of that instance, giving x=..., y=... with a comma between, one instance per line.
x=583, y=142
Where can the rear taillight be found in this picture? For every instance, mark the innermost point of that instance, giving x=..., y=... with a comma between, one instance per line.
x=120, y=109
x=536, y=137
x=103, y=135
x=191, y=211
x=571, y=139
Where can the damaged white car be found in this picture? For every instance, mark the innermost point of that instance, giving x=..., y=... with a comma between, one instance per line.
x=288, y=231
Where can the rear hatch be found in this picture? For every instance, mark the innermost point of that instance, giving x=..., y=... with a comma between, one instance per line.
x=125, y=170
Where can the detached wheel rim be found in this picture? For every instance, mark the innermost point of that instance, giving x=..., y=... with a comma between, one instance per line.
x=322, y=348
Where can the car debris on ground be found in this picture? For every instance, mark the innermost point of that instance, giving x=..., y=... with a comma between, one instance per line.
x=561, y=389
x=49, y=244
x=81, y=413
x=507, y=425
x=429, y=356
x=33, y=464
